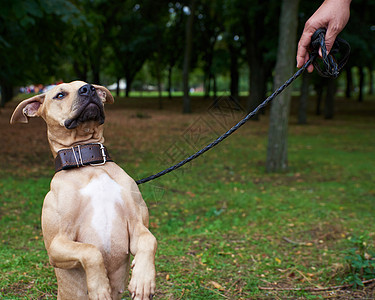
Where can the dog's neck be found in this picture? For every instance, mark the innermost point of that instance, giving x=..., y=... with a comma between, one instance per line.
x=63, y=138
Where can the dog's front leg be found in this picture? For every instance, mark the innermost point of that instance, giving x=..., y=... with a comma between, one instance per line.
x=67, y=254
x=143, y=246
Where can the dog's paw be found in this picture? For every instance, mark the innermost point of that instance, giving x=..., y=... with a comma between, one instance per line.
x=100, y=290
x=103, y=293
x=142, y=283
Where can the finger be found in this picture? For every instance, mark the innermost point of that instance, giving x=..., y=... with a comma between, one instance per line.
x=301, y=53
x=303, y=45
x=310, y=67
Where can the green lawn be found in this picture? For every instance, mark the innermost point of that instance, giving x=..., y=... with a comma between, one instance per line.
x=225, y=228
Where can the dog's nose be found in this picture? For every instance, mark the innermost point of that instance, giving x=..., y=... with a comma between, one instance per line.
x=86, y=90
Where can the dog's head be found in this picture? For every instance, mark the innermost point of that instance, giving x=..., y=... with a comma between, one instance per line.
x=68, y=107
x=67, y=104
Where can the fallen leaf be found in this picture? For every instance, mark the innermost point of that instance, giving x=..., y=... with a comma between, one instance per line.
x=154, y=225
x=217, y=286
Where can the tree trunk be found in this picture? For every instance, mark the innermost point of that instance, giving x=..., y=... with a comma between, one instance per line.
x=255, y=59
x=95, y=69
x=129, y=82
x=214, y=86
x=207, y=85
x=349, y=83
x=257, y=86
x=170, y=82
x=80, y=69
x=118, y=87
x=319, y=98
x=371, y=82
x=187, y=58
x=303, y=99
x=256, y=76
x=6, y=93
x=361, y=83
x=277, y=155
x=330, y=99
x=158, y=78
x=96, y=76
x=208, y=69
x=234, y=74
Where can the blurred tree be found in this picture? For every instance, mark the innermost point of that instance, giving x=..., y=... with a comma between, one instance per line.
x=95, y=39
x=303, y=99
x=173, y=43
x=277, y=151
x=259, y=29
x=169, y=44
x=133, y=47
x=187, y=56
x=209, y=25
x=31, y=42
x=360, y=33
x=349, y=81
x=234, y=40
x=234, y=50
x=330, y=98
x=89, y=41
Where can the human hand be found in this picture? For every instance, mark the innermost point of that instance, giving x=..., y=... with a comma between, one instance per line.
x=333, y=15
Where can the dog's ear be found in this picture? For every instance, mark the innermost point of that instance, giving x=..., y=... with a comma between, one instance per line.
x=104, y=94
x=27, y=109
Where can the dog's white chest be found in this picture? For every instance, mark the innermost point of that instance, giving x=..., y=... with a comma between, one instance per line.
x=104, y=193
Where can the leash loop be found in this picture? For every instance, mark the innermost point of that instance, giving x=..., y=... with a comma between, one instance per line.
x=332, y=69
x=332, y=66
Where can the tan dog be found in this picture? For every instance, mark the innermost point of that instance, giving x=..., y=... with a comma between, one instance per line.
x=94, y=216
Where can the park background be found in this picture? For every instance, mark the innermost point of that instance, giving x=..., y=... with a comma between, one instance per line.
x=240, y=222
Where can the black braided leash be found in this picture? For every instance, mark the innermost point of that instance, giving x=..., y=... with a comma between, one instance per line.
x=332, y=68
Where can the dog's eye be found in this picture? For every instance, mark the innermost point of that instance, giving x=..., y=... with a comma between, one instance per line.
x=59, y=95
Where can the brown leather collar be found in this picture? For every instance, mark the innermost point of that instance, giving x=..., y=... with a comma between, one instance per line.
x=80, y=156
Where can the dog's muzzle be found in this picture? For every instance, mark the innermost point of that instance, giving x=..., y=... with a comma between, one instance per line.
x=90, y=107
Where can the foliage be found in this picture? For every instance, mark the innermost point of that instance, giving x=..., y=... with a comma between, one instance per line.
x=360, y=259
x=30, y=31
x=361, y=34
x=131, y=48
x=31, y=41
x=95, y=40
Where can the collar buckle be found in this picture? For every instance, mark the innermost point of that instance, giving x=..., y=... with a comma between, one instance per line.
x=104, y=156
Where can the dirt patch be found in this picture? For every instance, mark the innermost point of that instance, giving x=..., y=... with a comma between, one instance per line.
x=133, y=126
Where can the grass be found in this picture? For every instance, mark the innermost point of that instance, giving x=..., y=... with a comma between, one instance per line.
x=224, y=226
